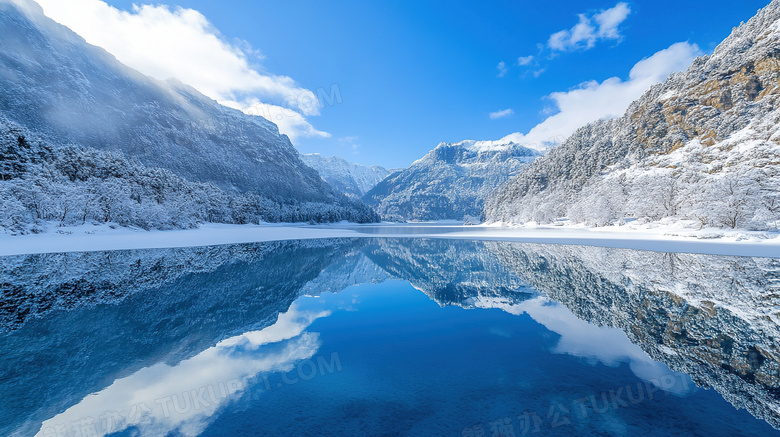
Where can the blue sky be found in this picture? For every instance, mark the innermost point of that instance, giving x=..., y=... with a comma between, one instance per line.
x=412, y=74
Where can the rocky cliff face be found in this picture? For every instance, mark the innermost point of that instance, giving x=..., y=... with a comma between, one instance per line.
x=450, y=182
x=702, y=146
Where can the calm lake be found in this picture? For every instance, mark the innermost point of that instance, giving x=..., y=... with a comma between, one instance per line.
x=391, y=337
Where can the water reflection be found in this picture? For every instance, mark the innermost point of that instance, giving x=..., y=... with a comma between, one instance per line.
x=713, y=318
x=156, y=324
x=180, y=303
x=605, y=345
x=162, y=398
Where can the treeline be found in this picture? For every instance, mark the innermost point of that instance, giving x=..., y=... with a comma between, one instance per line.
x=739, y=193
x=72, y=185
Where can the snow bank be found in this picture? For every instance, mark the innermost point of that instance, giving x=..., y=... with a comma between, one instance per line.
x=100, y=238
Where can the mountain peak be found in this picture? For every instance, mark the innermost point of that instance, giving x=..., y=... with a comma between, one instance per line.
x=449, y=182
x=352, y=179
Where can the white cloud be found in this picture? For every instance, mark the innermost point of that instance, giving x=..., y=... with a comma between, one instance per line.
x=351, y=143
x=524, y=60
x=610, y=19
x=501, y=114
x=502, y=69
x=592, y=101
x=291, y=123
x=591, y=29
x=172, y=42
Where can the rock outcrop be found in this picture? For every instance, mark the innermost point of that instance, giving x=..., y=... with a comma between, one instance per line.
x=702, y=146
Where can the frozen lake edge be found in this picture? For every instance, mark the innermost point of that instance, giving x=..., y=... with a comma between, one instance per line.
x=106, y=238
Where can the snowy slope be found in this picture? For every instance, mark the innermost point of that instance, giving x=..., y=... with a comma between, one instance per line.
x=71, y=92
x=44, y=186
x=700, y=149
x=450, y=182
x=352, y=179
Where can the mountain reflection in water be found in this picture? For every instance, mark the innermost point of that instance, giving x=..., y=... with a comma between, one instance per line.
x=111, y=341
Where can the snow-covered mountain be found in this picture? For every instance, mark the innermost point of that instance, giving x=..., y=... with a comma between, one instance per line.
x=701, y=149
x=57, y=85
x=352, y=179
x=450, y=182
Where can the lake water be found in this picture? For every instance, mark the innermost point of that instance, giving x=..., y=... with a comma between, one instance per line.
x=362, y=337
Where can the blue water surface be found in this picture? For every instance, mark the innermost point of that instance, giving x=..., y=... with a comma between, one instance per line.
x=385, y=337
x=410, y=367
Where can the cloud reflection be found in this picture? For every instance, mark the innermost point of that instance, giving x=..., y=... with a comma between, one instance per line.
x=184, y=398
x=597, y=344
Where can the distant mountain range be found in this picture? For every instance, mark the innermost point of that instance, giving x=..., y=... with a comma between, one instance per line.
x=352, y=179
x=450, y=182
x=66, y=91
x=701, y=149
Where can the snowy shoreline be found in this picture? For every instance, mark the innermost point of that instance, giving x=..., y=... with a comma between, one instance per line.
x=106, y=238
